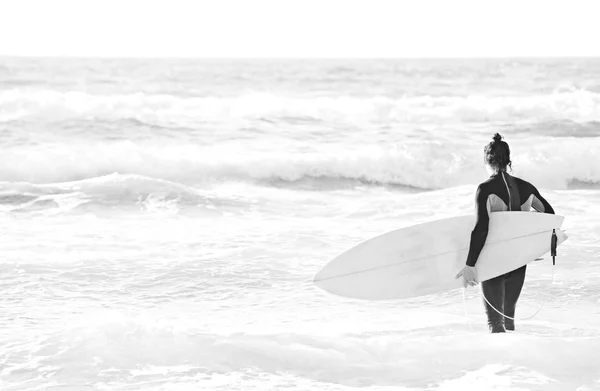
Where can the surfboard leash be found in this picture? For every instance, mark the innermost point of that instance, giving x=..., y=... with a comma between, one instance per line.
x=527, y=318
x=553, y=245
x=465, y=307
x=495, y=309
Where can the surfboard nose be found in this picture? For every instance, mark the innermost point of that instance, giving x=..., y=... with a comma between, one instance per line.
x=318, y=275
x=316, y=278
x=321, y=275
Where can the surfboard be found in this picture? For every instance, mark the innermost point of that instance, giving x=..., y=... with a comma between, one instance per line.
x=425, y=258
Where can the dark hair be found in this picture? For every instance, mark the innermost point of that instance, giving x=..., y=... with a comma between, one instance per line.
x=497, y=154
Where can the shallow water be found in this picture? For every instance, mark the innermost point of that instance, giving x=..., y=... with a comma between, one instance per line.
x=162, y=221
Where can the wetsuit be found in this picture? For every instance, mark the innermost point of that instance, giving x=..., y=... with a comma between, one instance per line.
x=502, y=192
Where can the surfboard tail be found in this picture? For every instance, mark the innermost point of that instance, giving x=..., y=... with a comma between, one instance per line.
x=561, y=236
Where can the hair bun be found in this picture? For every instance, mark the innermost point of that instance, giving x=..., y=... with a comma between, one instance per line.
x=497, y=137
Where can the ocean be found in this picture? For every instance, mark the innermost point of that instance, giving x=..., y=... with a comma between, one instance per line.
x=162, y=219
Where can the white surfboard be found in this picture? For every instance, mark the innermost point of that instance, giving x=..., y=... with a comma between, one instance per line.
x=425, y=258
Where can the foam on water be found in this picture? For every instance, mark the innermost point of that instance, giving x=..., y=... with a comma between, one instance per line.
x=170, y=301
x=420, y=164
x=577, y=105
x=154, y=350
x=162, y=222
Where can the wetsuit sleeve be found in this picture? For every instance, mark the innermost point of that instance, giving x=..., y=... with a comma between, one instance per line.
x=482, y=222
x=539, y=203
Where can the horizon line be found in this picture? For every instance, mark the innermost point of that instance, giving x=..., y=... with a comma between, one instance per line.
x=116, y=57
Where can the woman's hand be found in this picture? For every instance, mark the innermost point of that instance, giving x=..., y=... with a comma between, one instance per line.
x=469, y=276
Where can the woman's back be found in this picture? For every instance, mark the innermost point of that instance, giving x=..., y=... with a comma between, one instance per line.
x=503, y=192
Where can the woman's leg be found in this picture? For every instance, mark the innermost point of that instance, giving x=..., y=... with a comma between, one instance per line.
x=493, y=290
x=513, y=283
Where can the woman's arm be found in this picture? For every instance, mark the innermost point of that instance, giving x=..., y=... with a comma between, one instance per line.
x=480, y=232
x=539, y=203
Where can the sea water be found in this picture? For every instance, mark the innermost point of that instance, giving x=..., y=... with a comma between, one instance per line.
x=161, y=221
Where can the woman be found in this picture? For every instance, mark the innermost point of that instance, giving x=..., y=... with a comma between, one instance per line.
x=501, y=192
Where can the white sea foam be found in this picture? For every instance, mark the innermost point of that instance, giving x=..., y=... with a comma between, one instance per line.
x=162, y=221
x=577, y=105
x=554, y=164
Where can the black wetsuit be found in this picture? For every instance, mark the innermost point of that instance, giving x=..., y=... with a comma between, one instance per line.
x=502, y=192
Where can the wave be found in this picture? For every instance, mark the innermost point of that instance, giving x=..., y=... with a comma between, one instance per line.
x=113, y=193
x=557, y=128
x=145, y=350
x=570, y=163
x=576, y=105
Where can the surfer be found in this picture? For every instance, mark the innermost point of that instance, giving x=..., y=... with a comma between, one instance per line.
x=501, y=192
